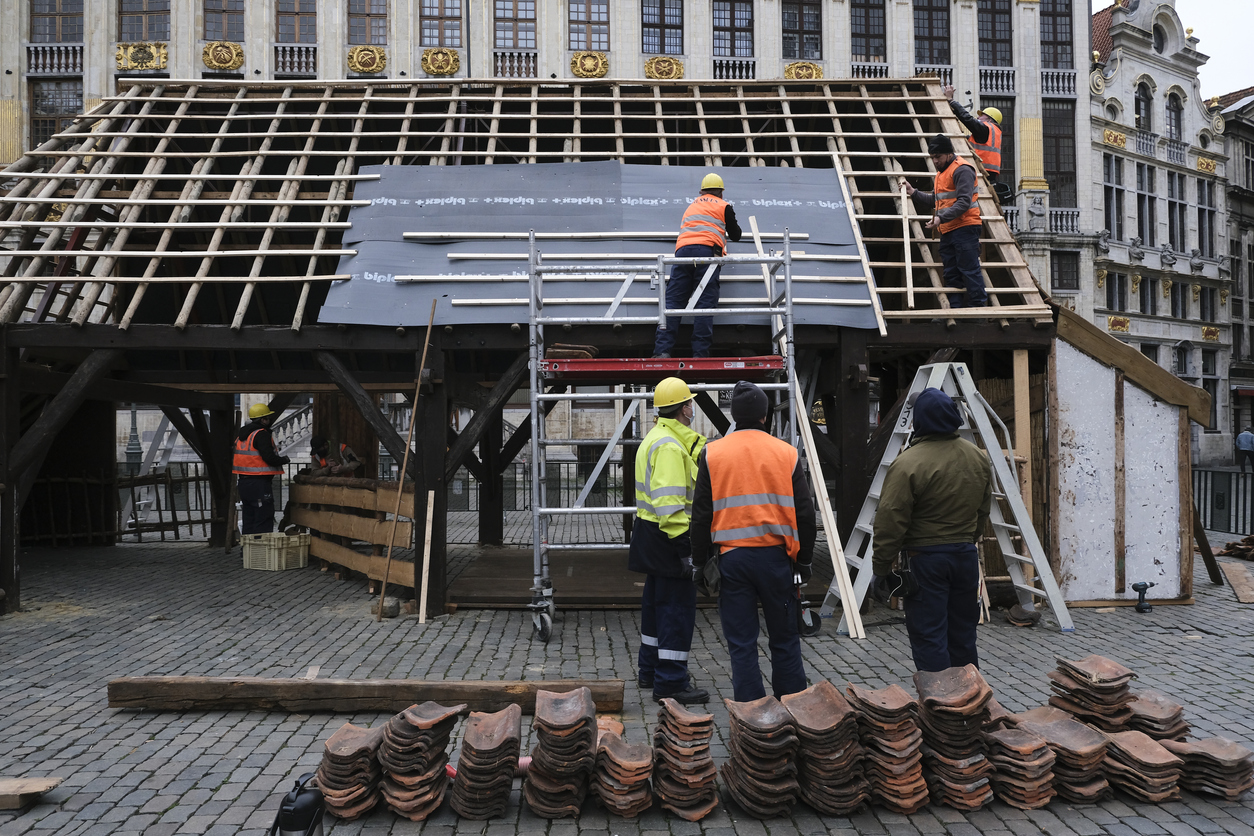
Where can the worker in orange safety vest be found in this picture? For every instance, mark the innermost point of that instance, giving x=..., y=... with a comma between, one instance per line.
x=985, y=132
x=324, y=465
x=256, y=463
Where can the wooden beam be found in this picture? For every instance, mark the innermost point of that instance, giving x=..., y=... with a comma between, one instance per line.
x=712, y=411
x=305, y=696
x=365, y=529
x=149, y=337
x=1203, y=545
x=60, y=410
x=492, y=484
x=16, y=793
x=46, y=381
x=1120, y=491
x=364, y=403
x=470, y=461
x=497, y=398
x=522, y=435
x=221, y=434
x=10, y=510
x=432, y=452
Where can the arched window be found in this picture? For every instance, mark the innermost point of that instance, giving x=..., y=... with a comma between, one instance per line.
x=1175, y=117
x=1144, y=107
x=1160, y=39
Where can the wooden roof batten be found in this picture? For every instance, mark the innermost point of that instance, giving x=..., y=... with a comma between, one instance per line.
x=162, y=185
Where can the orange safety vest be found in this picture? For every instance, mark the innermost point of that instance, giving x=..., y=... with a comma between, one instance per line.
x=323, y=462
x=704, y=223
x=990, y=154
x=248, y=462
x=946, y=195
x=751, y=485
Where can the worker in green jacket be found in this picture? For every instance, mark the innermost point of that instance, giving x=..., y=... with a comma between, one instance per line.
x=666, y=473
x=933, y=507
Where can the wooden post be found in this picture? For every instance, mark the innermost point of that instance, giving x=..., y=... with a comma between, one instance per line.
x=10, y=397
x=434, y=419
x=1121, y=534
x=221, y=444
x=365, y=404
x=1023, y=434
x=470, y=436
x=492, y=485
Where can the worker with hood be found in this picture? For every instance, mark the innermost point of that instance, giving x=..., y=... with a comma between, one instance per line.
x=933, y=507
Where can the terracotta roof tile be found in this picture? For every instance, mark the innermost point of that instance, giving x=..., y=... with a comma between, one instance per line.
x=1102, y=42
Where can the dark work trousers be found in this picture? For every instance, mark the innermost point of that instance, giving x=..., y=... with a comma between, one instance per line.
x=752, y=575
x=256, y=496
x=684, y=280
x=668, y=612
x=1245, y=456
x=960, y=256
x=942, y=615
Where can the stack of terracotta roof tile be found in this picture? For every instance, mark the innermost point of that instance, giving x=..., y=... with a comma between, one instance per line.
x=621, y=775
x=1139, y=765
x=683, y=770
x=561, y=763
x=1080, y=751
x=762, y=771
x=485, y=769
x=414, y=754
x=892, y=740
x=1216, y=766
x=1157, y=716
x=829, y=760
x=1095, y=690
x=349, y=774
x=998, y=716
x=1023, y=768
x=953, y=710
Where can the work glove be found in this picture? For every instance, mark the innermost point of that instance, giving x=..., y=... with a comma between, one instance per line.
x=881, y=588
x=287, y=459
x=805, y=570
x=688, y=570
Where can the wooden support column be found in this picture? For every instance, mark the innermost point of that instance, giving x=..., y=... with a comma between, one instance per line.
x=1121, y=502
x=851, y=406
x=10, y=397
x=501, y=392
x=433, y=420
x=492, y=483
x=1023, y=435
x=365, y=404
x=220, y=433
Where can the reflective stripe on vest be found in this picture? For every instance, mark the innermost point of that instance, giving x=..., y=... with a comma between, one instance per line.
x=751, y=488
x=664, y=500
x=990, y=154
x=704, y=223
x=248, y=462
x=321, y=462
x=947, y=195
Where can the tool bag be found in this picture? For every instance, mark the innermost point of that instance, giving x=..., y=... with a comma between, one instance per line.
x=300, y=811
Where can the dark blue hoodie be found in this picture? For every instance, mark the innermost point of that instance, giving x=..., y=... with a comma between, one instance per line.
x=935, y=412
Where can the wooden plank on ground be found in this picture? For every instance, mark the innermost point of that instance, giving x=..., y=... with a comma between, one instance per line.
x=16, y=793
x=1239, y=579
x=248, y=693
x=369, y=565
x=365, y=529
x=345, y=497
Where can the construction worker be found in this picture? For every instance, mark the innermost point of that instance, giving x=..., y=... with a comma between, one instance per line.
x=752, y=503
x=985, y=133
x=933, y=507
x=708, y=223
x=666, y=468
x=956, y=212
x=323, y=465
x=256, y=464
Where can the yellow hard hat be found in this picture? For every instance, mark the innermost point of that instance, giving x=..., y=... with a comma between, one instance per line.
x=711, y=181
x=992, y=113
x=671, y=391
x=259, y=410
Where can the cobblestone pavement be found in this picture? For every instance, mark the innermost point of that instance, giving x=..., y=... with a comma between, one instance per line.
x=96, y=614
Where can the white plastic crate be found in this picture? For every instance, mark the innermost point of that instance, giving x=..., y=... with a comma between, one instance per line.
x=276, y=551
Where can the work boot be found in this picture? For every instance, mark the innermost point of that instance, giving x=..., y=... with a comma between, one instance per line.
x=661, y=356
x=645, y=681
x=690, y=695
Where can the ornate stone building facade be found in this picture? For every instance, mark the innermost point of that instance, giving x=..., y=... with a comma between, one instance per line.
x=1238, y=115
x=1156, y=275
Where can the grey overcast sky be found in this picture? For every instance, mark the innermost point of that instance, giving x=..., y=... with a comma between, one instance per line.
x=1223, y=29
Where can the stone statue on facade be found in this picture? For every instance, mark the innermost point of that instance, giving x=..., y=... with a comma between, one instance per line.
x=1136, y=248
x=1036, y=212
x=1195, y=260
x=1103, y=241
x=1168, y=255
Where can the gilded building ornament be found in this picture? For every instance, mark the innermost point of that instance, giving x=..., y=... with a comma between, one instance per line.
x=1197, y=291
x=1210, y=333
x=1114, y=138
x=1118, y=323
x=1101, y=278
x=55, y=212
x=142, y=56
x=589, y=64
x=803, y=70
x=1136, y=282
x=1205, y=165
x=1223, y=296
x=222, y=56
x=439, y=60
x=1166, y=288
x=367, y=59
x=664, y=67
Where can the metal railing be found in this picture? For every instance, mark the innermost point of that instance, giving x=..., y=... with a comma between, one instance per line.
x=1064, y=220
x=868, y=69
x=735, y=69
x=944, y=71
x=1225, y=500
x=563, y=482
x=516, y=64
x=1177, y=151
x=997, y=81
x=54, y=59
x=1057, y=82
x=295, y=59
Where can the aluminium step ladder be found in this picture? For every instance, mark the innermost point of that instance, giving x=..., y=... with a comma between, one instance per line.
x=977, y=425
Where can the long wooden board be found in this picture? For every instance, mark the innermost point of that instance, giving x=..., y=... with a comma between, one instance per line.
x=1240, y=581
x=16, y=793
x=249, y=693
x=364, y=529
x=370, y=565
x=344, y=497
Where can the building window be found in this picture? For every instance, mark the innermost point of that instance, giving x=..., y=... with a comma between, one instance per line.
x=1176, y=203
x=1144, y=108
x=1238, y=269
x=931, y=32
x=1180, y=360
x=1149, y=297
x=1208, y=305
x=144, y=20
x=515, y=24
x=1117, y=291
x=1064, y=270
x=1056, y=47
x=1147, y=204
x=1206, y=217
x=868, y=30
x=590, y=24
x=53, y=106
x=368, y=22
x=803, y=30
x=1150, y=350
x=441, y=22
x=1238, y=342
x=1112, y=192
x=663, y=29
x=1058, y=133
x=56, y=21
x=733, y=28
x=1175, y=117
x=298, y=22
x=1249, y=165
x=993, y=17
x=1210, y=382
x=1179, y=300
x=1160, y=39
x=224, y=20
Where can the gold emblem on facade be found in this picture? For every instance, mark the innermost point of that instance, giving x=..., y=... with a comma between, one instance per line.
x=142, y=56
x=664, y=67
x=1136, y=282
x=55, y=212
x=1166, y=288
x=1197, y=291
x=803, y=70
x=1118, y=323
x=589, y=64
x=1205, y=165
x=440, y=61
x=367, y=59
x=222, y=56
x=1223, y=296
x=1210, y=333
x=1114, y=138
